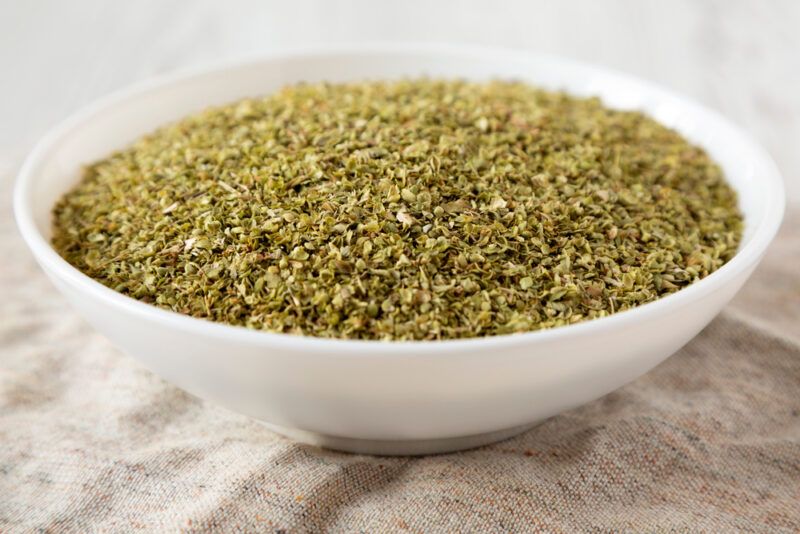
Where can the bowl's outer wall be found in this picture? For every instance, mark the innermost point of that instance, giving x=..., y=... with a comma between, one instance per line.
x=429, y=390
x=397, y=397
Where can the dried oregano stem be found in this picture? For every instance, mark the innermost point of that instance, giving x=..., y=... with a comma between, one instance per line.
x=402, y=210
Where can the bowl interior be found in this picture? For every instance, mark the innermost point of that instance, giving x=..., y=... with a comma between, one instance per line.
x=117, y=121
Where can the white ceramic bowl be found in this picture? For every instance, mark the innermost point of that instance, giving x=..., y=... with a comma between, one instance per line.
x=393, y=397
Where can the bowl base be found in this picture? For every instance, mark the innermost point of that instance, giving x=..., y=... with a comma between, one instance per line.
x=410, y=447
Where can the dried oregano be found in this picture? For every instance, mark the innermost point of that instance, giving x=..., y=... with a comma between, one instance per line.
x=418, y=209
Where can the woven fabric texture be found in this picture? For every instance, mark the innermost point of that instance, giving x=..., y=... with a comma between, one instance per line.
x=92, y=442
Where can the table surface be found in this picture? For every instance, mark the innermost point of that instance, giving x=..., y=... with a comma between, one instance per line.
x=736, y=56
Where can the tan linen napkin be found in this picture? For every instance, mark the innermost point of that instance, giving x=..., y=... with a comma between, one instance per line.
x=707, y=442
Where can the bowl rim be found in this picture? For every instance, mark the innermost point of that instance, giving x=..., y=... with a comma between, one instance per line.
x=748, y=255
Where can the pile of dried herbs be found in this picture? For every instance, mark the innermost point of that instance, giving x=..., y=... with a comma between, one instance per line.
x=419, y=209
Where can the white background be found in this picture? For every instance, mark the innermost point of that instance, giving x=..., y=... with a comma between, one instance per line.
x=740, y=57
